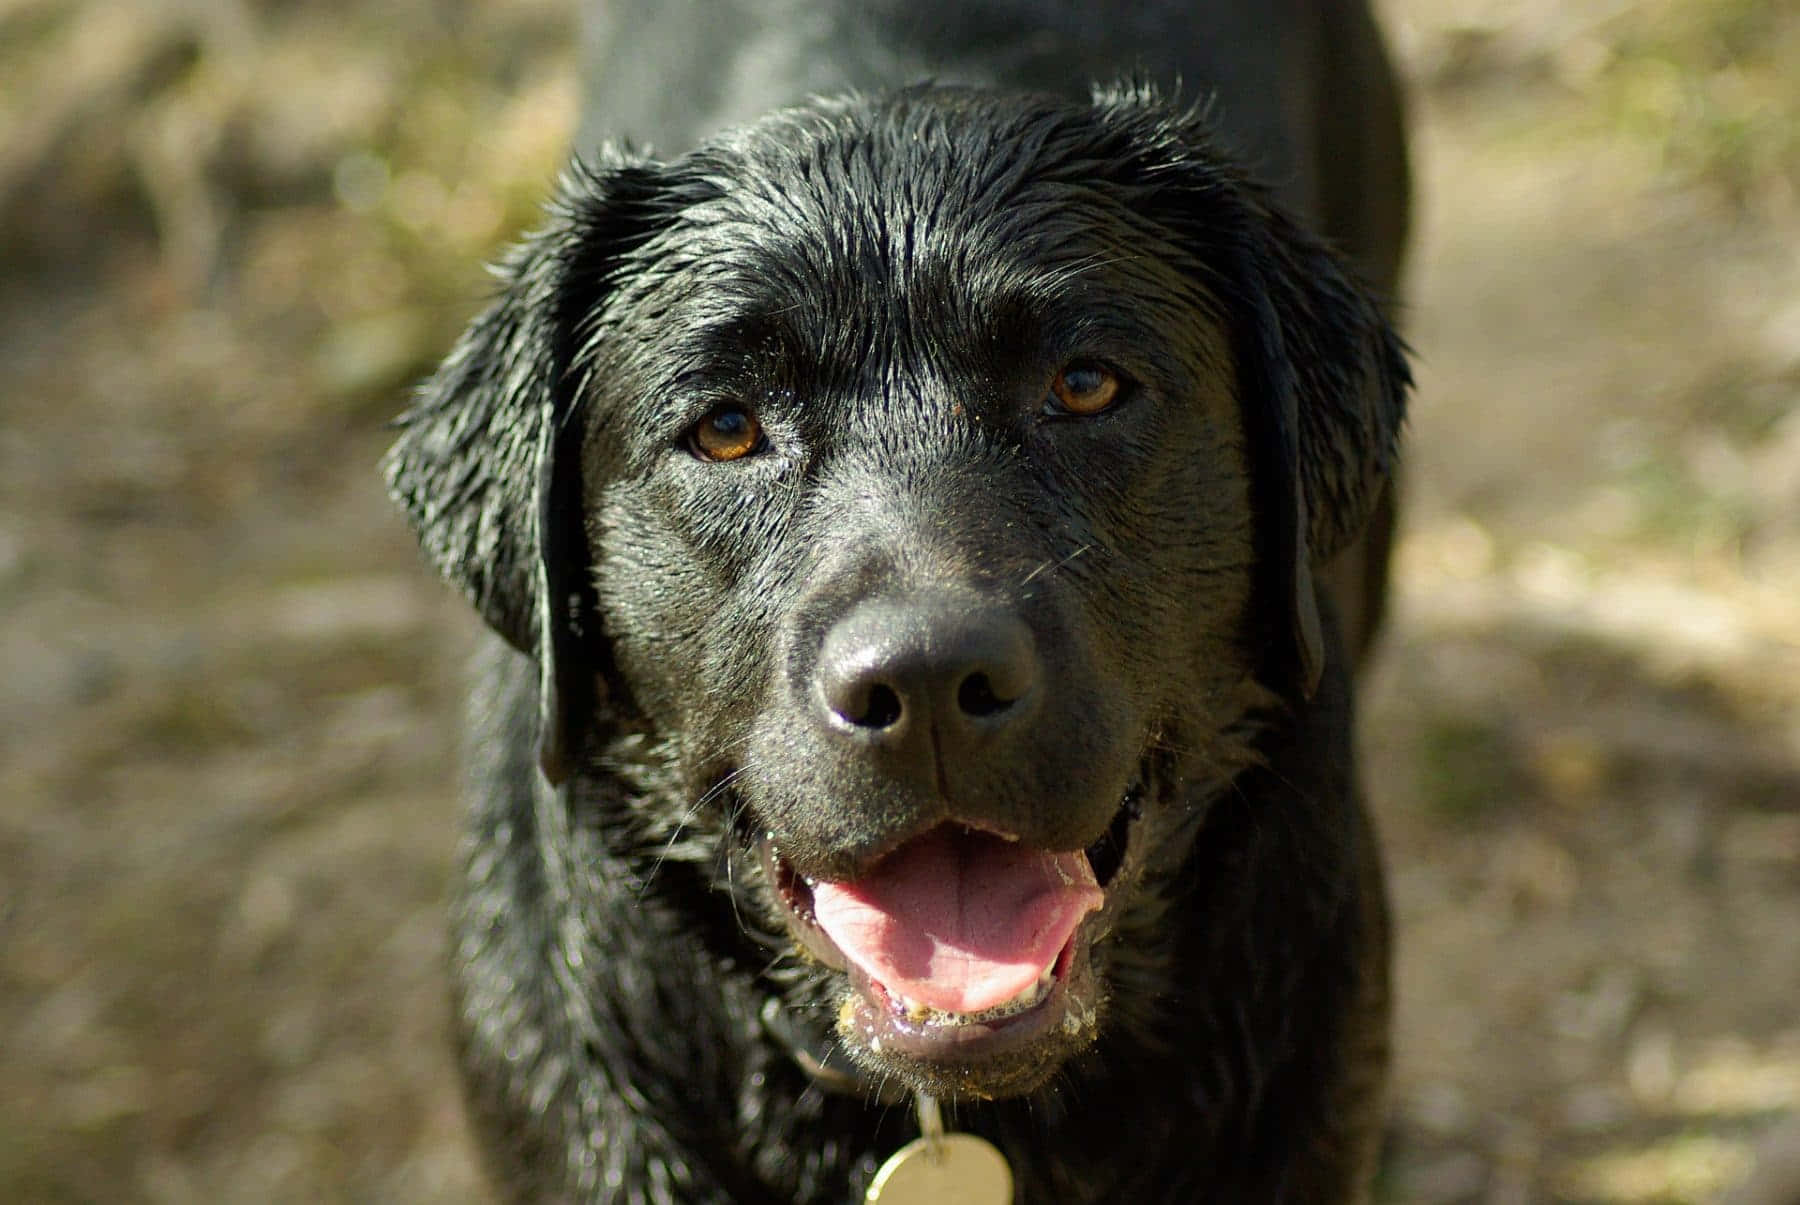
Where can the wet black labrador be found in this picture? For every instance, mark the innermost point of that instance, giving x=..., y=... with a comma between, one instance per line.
x=907, y=518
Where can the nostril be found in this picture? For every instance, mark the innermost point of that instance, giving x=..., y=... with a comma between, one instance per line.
x=881, y=709
x=976, y=696
x=862, y=701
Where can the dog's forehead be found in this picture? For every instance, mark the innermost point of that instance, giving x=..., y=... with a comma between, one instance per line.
x=951, y=218
x=885, y=190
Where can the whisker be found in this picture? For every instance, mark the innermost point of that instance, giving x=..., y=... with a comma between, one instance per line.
x=737, y=916
x=681, y=826
x=729, y=850
x=1053, y=566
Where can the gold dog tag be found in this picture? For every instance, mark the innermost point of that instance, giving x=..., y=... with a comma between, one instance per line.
x=942, y=1169
x=953, y=1169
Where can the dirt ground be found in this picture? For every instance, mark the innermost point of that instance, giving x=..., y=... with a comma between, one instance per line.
x=230, y=234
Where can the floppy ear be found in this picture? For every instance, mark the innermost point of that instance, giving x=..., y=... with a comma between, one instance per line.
x=1323, y=376
x=486, y=465
x=1324, y=379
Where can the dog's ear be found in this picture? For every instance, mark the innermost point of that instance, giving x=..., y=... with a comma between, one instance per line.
x=1325, y=381
x=1322, y=373
x=486, y=465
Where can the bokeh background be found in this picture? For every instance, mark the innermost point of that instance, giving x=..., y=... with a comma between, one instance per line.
x=233, y=231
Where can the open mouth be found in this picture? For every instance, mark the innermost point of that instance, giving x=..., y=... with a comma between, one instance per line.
x=962, y=946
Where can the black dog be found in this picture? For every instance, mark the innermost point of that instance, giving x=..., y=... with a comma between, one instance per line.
x=905, y=514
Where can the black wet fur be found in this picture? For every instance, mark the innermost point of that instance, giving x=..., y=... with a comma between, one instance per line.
x=888, y=283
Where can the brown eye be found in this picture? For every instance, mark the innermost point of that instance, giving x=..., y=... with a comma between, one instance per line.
x=1083, y=388
x=727, y=433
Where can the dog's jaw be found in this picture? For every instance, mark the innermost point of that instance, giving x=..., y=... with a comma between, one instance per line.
x=1003, y=1049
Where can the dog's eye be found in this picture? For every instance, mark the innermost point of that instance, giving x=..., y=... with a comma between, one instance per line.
x=1083, y=388
x=727, y=432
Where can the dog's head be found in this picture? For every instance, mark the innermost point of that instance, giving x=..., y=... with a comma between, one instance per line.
x=938, y=481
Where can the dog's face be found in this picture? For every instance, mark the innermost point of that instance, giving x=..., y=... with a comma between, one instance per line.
x=933, y=483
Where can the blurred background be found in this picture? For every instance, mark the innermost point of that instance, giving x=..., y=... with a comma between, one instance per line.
x=232, y=232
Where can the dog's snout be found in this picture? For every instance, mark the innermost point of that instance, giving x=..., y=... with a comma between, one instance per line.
x=896, y=671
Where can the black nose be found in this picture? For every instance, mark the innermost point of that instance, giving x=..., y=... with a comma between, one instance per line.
x=895, y=672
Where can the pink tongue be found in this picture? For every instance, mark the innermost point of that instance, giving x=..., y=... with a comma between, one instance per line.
x=959, y=920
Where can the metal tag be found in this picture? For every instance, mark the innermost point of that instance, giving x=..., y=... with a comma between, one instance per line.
x=949, y=1169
